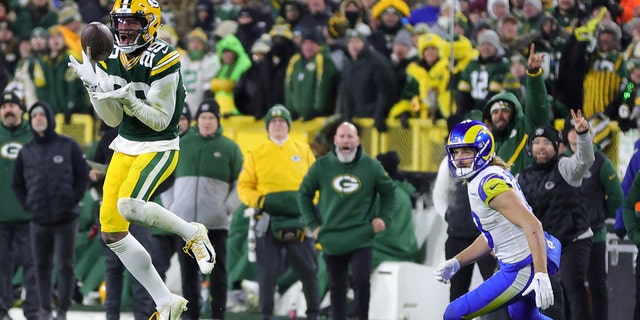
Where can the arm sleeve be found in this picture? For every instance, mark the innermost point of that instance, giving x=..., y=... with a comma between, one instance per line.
x=157, y=111
x=109, y=110
x=537, y=110
x=573, y=168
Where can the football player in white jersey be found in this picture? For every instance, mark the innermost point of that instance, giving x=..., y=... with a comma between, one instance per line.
x=139, y=88
x=509, y=230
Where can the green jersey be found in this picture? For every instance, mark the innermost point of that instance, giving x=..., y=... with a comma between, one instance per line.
x=148, y=73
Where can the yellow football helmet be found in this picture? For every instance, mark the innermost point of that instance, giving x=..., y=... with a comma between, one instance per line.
x=146, y=12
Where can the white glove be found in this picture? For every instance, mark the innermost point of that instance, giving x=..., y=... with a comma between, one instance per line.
x=85, y=71
x=125, y=95
x=446, y=270
x=542, y=286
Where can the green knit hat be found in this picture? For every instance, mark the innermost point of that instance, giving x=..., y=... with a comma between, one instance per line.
x=278, y=110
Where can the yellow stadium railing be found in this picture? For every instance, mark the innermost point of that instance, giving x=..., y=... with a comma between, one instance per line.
x=81, y=128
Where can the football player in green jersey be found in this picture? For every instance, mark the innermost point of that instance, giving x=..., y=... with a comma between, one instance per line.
x=139, y=88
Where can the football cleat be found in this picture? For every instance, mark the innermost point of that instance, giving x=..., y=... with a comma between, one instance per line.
x=201, y=248
x=171, y=311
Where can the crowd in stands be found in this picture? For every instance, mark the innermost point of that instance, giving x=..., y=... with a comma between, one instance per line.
x=420, y=60
x=517, y=65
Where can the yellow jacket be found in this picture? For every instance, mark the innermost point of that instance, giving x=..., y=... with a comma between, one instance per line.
x=271, y=168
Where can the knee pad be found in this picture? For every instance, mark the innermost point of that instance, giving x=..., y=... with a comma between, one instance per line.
x=132, y=209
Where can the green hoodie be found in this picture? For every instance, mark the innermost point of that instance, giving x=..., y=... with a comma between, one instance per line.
x=11, y=211
x=348, y=194
x=510, y=143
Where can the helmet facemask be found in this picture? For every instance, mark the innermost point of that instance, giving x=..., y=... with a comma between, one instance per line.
x=473, y=135
x=133, y=38
x=146, y=13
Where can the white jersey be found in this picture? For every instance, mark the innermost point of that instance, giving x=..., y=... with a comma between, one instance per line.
x=506, y=239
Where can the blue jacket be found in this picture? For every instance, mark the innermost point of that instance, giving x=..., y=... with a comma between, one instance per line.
x=632, y=169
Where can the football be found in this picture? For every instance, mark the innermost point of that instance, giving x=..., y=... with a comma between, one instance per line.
x=97, y=41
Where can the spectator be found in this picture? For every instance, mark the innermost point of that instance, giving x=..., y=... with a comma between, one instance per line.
x=205, y=191
x=602, y=195
x=569, y=13
x=426, y=93
x=54, y=82
x=234, y=61
x=282, y=50
x=334, y=34
x=386, y=16
x=269, y=182
x=403, y=53
x=250, y=26
x=516, y=80
x=504, y=115
x=625, y=106
x=532, y=14
x=206, y=16
x=349, y=181
x=311, y=81
x=591, y=80
x=552, y=187
x=315, y=18
x=147, y=108
x=511, y=41
x=292, y=11
x=199, y=66
x=367, y=87
x=497, y=10
x=526, y=253
x=70, y=25
x=356, y=14
x=10, y=49
x=37, y=13
x=50, y=178
x=14, y=219
x=256, y=89
x=483, y=77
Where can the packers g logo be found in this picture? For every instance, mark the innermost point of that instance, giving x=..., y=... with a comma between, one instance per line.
x=346, y=184
x=10, y=150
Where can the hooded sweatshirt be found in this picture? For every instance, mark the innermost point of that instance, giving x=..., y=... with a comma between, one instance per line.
x=51, y=174
x=348, y=193
x=510, y=143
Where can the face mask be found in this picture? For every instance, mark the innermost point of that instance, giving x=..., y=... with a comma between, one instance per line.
x=196, y=55
x=353, y=18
